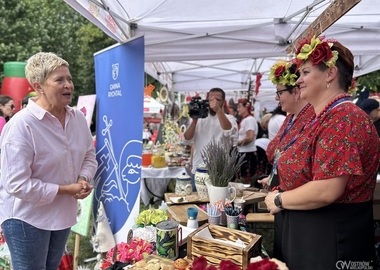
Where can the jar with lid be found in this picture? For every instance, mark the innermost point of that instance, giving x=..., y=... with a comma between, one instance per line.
x=183, y=185
x=201, y=176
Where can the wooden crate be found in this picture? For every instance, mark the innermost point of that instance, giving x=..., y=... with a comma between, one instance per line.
x=215, y=251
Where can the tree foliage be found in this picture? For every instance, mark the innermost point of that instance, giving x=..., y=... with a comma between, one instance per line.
x=370, y=81
x=30, y=26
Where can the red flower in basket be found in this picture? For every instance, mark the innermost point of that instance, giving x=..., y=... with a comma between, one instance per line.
x=264, y=264
x=200, y=263
x=228, y=265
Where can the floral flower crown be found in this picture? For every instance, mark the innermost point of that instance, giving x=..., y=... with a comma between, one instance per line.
x=280, y=73
x=317, y=50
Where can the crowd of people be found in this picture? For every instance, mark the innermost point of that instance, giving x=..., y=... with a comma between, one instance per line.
x=324, y=154
x=319, y=154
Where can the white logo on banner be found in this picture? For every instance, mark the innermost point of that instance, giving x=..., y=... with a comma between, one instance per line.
x=115, y=71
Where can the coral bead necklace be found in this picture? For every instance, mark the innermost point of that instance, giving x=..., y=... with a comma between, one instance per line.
x=332, y=104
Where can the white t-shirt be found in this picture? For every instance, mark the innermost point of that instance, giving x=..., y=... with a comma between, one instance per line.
x=248, y=123
x=262, y=143
x=206, y=130
x=146, y=134
x=274, y=125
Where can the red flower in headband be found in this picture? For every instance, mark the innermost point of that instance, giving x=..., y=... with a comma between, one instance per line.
x=279, y=70
x=321, y=53
x=280, y=73
x=317, y=51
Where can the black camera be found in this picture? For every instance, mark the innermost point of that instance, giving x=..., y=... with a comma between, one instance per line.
x=198, y=108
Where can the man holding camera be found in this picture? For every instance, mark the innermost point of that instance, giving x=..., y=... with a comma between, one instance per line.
x=206, y=127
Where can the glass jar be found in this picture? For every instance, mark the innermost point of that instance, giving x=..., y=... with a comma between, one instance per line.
x=146, y=159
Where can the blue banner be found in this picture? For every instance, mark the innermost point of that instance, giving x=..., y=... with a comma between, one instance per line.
x=119, y=72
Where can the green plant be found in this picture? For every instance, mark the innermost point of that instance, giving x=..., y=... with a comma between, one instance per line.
x=222, y=161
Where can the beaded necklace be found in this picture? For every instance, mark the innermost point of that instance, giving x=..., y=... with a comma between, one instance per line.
x=332, y=104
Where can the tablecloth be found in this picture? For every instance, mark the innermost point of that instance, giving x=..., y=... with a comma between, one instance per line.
x=154, y=181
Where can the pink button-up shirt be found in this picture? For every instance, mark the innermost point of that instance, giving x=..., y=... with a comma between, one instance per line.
x=37, y=156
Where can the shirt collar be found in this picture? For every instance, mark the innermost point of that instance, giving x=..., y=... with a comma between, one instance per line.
x=39, y=112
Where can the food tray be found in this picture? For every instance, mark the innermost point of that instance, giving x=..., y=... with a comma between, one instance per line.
x=172, y=198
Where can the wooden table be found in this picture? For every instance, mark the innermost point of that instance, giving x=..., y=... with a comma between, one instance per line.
x=250, y=197
x=178, y=213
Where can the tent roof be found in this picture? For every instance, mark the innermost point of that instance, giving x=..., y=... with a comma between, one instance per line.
x=199, y=44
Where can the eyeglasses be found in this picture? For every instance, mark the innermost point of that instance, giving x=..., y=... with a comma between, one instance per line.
x=279, y=92
x=10, y=105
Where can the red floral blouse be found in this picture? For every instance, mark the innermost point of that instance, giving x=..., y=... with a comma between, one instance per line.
x=280, y=141
x=343, y=141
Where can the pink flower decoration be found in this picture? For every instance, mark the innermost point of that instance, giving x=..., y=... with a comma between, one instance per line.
x=132, y=252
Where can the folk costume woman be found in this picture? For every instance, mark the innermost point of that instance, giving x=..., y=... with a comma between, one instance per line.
x=327, y=177
x=283, y=74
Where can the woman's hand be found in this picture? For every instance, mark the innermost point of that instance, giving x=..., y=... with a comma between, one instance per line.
x=264, y=182
x=78, y=190
x=269, y=201
x=85, y=191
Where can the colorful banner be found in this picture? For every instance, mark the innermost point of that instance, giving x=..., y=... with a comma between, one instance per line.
x=119, y=72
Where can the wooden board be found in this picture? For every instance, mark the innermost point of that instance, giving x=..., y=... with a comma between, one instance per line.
x=179, y=213
x=193, y=198
x=328, y=17
x=252, y=197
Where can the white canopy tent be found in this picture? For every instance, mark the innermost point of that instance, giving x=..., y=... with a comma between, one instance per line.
x=192, y=46
x=151, y=106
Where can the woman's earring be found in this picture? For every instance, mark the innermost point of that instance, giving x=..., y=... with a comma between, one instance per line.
x=328, y=85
